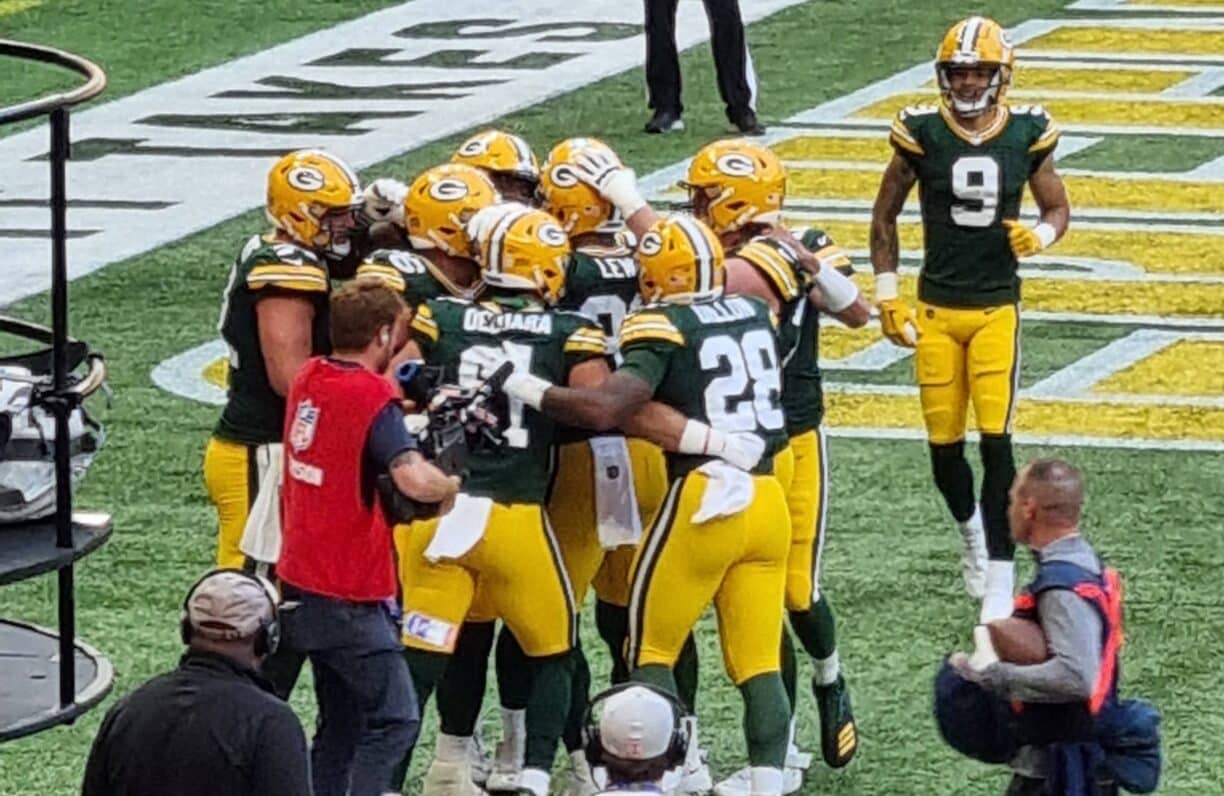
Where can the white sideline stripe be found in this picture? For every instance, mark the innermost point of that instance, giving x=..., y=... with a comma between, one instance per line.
x=1082, y=269
x=1080, y=376
x=1061, y=56
x=203, y=191
x=1139, y=23
x=1126, y=225
x=864, y=207
x=1127, y=399
x=1061, y=440
x=184, y=374
x=1211, y=170
x=1199, y=85
x=879, y=355
x=877, y=166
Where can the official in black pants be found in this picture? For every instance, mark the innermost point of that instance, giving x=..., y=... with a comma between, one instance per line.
x=736, y=77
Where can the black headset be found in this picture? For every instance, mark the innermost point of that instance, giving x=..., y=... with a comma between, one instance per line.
x=267, y=637
x=592, y=744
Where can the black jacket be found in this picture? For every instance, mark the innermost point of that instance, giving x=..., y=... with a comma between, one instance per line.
x=211, y=727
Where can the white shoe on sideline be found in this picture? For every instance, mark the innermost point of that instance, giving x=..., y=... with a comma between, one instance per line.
x=973, y=556
x=446, y=778
x=740, y=783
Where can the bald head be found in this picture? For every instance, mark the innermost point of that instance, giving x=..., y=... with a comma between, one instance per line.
x=1046, y=500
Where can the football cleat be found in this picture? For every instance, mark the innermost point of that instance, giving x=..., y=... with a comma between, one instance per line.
x=740, y=783
x=440, y=203
x=694, y=774
x=734, y=183
x=972, y=43
x=973, y=556
x=664, y=121
x=679, y=260
x=445, y=778
x=838, y=732
x=480, y=759
x=581, y=782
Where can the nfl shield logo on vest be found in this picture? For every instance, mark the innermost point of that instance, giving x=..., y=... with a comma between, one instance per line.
x=305, y=418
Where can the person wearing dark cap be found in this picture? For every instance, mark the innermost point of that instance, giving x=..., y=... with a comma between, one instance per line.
x=213, y=725
x=636, y=738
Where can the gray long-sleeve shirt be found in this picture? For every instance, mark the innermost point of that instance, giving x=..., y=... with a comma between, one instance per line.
x=1073, y=632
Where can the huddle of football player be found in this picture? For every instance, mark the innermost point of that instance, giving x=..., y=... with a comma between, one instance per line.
x=663, y=413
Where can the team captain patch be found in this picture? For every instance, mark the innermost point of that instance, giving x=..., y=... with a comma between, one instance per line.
x=434, y=632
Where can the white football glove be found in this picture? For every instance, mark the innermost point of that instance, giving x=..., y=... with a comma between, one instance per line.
x=383, y=200
x=520, y=385
x=740, y=449
x=614, y=182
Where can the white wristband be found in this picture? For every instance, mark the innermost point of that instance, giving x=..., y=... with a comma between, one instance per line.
x=622, y=191
x=698, y=439
x=839, y=292
x=527, y=388
x=886, y=286
x=1046, y=234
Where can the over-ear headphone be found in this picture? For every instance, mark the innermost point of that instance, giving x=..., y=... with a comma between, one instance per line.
x=267, y=637
x=592, y=744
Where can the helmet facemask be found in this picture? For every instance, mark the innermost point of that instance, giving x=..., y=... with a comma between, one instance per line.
x=991, y=96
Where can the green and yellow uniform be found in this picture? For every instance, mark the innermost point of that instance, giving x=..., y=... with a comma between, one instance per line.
x=601, y=285
x=516, y=563
x=969, y=288
x=715, y=361
x=254, y=414
x=410, y=274
x=803, y=468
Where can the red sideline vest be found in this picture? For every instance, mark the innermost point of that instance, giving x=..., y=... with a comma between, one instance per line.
x=1104, y=593
x=333, y=542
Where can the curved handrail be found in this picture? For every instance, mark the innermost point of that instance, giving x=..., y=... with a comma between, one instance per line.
x=92, y=87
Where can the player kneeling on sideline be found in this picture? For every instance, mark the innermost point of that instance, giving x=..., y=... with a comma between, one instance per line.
x=344, y=427
x=633, y=733
x=1055, y=660
x=723, y=533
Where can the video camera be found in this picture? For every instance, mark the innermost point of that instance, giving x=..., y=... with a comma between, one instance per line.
x=455, y=422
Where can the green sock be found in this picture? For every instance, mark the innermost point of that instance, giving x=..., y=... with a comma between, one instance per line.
x=580, y=694
x=655, y=674
x=613, y=624
x=816, y=629
x=766, y=719
x=686, y=674
x=462, y=688
x=790, y=669
x=427, y=669
x=548, y=707
x=514, y=670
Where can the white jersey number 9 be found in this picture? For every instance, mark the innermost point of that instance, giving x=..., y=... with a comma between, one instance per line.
x=976, y=184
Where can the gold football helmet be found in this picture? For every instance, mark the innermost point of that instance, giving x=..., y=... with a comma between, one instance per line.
x=506, y=158
x=578, y=206
x=734, y=183
x=525, y=249
x=439, y=204
x=975, y=42
x=313, y=197
x=680, y=260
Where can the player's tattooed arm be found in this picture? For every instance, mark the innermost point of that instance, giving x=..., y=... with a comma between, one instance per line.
x=1051, y=197
x=600, y=408
x=899, y=178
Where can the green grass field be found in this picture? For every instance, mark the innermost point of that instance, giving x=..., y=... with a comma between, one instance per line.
x=892, y=561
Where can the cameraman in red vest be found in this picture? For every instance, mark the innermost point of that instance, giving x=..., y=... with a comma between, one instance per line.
x=343, y=428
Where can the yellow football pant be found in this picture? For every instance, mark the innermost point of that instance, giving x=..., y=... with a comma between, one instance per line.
x=517, y=568
x=231, y=477
x=803, y=471
x=963, y=355
x=738, y=563
x=571, y=508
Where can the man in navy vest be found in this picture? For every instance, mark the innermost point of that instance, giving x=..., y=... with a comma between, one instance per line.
x=1077, y=602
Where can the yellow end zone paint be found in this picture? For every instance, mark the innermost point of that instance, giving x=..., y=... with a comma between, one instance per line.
x=1154, y=252
x=875, y=149
x=1105, y=39
x=8, y=7
x=1042, y=417
x=1163, y=113
x=838, y=342
x=1087, y=192
x=1188, y=367
x=1127, y=81
x=1105, y=297
x=216, y=373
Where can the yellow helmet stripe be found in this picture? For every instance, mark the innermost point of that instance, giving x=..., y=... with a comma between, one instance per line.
x=521, y=151
x=497, y=236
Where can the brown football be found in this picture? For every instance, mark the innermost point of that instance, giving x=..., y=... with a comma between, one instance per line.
x=1018, y=640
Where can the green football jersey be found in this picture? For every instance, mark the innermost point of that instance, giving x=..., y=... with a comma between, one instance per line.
x=715, y=361
x=546, y=343
x=254, y=414
x=410, y=274
x=798, y=321
x=967, y=186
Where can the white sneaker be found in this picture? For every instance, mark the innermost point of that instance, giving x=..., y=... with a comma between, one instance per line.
x=973, y=557
x=695, y=775
x=582, y=782
x=449, y=779
x=740, y=783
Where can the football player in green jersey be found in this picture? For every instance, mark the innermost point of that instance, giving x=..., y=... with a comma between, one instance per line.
x=273, y=318
x=508, y=161
x=971, y=156
x=723, y=534
x=738, y=188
